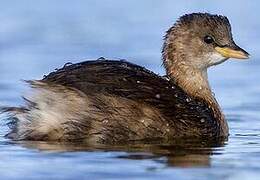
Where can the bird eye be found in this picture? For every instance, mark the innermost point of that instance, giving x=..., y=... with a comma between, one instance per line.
x=208, y=39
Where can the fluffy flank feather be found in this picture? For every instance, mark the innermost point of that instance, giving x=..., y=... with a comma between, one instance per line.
x=49, y=113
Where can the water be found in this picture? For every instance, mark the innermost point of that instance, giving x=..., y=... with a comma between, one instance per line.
x=38, y=36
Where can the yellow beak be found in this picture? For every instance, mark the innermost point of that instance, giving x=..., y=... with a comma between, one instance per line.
x=229, y=52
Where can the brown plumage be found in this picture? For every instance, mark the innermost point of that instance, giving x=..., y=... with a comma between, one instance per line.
x=109, y=101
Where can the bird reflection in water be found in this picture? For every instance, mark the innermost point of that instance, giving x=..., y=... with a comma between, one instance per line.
x=181, y=153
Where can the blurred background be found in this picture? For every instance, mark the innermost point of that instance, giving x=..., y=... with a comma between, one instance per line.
x=38, y=36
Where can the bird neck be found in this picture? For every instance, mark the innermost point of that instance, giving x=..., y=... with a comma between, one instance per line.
x=195, y=83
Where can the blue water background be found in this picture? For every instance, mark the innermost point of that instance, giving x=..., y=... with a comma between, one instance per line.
x=38, y=36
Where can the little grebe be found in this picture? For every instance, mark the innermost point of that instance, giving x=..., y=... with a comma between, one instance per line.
x=109, y=101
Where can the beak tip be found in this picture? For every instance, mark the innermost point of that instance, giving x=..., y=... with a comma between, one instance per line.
x=247, y=55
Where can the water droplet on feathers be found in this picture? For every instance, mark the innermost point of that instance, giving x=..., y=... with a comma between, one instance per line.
x=188, y=99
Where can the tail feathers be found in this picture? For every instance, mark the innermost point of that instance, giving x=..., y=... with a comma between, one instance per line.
x=11, y=119
x=47, y=114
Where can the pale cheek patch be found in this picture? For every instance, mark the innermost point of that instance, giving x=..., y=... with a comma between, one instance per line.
x=216, y=58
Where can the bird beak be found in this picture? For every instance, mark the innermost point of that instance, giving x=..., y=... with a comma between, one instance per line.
x=233, y=51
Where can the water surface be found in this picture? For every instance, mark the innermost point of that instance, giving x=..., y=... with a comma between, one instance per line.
x=38, y=36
